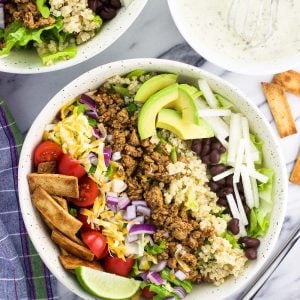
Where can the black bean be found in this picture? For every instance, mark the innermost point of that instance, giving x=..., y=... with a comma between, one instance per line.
x=115, y=3
x=206, y=142
x=249, y=242
x=222, y=149
x=251, y=253
x=196, y=146
x=246, y=209
x=225, y=191
x=222, y=202
x=205, y=149
x=240, y=186
x=229, y=180
x=217, y=169
x=94, y=5
x=107, y=13
x=214, y=156
x=243, y=199
x=221, y=182
x=233, y=226
x=206, y=159
x=213, y=186
x=216, y=146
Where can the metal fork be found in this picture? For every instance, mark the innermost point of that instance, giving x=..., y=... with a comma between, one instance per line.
x=253, y=21
x=271, y=266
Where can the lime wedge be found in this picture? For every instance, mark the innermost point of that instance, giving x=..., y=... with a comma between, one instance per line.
x=106, y=285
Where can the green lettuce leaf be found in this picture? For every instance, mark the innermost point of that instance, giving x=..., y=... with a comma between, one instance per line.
x=223, y=102
x=43, y=8
x=258, y=143
x=66, y=53
x=156, y=249
x=168, y=276
x=159, y=290
x=231, y=239
x=260, y=217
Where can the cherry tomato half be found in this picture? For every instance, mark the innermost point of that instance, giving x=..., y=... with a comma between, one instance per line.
x=96, y=241
x=70, y=166
x=83, y=220
x=118, y=266
x=88, y=192
x=146, y=293
x=47, y=151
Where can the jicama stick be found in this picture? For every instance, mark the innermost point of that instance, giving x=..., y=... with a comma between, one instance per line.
x=208, y=94
x=235, y=133
x=223, y=174
x=239, y=161
x=240, y=206
x=247, y=186
x=214, y=112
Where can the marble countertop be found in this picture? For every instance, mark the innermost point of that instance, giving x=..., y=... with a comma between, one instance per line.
x=154, y=35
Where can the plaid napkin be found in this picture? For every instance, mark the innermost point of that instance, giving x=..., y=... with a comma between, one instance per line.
x=22, y=273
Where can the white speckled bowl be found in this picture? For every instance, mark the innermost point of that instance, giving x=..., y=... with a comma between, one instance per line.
x=91, y=80
x=28, y=62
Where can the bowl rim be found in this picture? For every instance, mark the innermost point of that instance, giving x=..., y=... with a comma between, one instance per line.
x=133, y=63
x=223, y=61
x=61, y=65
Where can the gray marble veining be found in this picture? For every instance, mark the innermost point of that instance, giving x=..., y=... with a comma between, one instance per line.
x=155, y=35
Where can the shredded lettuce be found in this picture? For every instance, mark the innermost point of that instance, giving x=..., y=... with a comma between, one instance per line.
x=223, y=102
x=231, y=239
x=258, y=143
x=156, y=249
x=160, y=291
x=135, y=73
x=43, y=8
x=260, y=217
x=66, y=53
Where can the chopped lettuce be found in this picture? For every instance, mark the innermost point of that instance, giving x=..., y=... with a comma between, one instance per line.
x=231, y=239
x=258, y=143
x=66, y=53
x=131, y=108
x=160, y=291
x=223, y=102
x=155, y=248
x=260, y=217
x=123, y=91
x=43, y=8
x=135, y=73
x=170, y=277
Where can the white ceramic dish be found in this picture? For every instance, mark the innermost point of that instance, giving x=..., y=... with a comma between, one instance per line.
x=28, y=62
x=203, y=24
x=91, y=80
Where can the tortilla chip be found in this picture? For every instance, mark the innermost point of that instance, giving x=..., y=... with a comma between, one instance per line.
x=62, y=202
x=53, y=212
x=280, y=108
x=48, y=223
x=71, y=262
x=295, y=175
x=71, y=247
x=63, y=251
x=55, y=184
x=47, y=167
x=289, y=80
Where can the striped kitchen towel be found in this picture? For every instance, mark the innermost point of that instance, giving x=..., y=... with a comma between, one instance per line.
x=22, y=273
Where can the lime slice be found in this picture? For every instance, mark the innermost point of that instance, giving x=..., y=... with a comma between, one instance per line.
x=106, y=285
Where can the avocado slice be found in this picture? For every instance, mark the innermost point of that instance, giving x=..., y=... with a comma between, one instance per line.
x=191, y=90
x=149, y=111
x=171, y=120
x=154, y=84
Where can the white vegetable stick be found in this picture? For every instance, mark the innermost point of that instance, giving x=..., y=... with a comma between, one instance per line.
x=247, y=186
x=260, y=177
x=214, y=112
x=223, y=174
x=255, y=192
x=240, y=205
x=219, y=127
x=208, y=94
x=239, y=161
x=235, y=213
x=235, y=133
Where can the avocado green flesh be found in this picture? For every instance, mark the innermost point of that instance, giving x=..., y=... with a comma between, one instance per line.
x=153, y=85
x=171, y=120
x=149, y=111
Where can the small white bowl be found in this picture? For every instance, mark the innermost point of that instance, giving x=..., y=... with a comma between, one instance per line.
x=91, y=80
x=28, y=61
x=203, y=24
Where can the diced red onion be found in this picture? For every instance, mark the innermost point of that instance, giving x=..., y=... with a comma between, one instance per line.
x=130, y=213
x=85, y=99
x=112, y=194
x=170, y=298
x=107, y=155
x=132, y=238
x=93, y=158
x=139, y=202
x=123, y=202
x=92, y=114
x=155, y=278
x=144, y=276
x=112, y=200
x=180, y=292
x=142, y=228
x=143, y=210
x=139, y=220
x=96, y=133
x=159, y=267
x=2, y=22
x=180, y=275
x=112, y=207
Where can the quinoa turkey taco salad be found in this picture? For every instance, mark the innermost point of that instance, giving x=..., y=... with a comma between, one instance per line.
x=152, y=185
x=53, y=28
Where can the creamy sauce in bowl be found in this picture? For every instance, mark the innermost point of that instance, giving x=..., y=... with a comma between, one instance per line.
x=204, y=24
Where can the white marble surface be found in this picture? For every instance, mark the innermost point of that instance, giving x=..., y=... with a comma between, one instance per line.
x=155, y=35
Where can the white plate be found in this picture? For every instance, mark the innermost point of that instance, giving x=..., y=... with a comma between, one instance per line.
x=90, y=81
x=203, y=24
x=28, y=62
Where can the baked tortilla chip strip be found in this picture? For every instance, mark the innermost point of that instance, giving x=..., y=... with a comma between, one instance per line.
x=71, y=247
x=289, y=80
x=62, y=202
x=47, y=167
x=55, y=214
x=55, y=184
x=295, y=175
x=71, y=262
x=280, y=108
